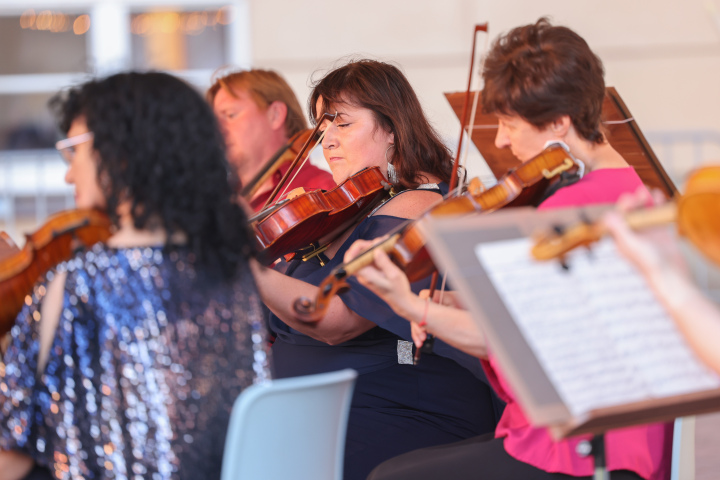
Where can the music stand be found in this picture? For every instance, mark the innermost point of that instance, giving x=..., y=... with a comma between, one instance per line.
x=454, y=246
x=623, y=133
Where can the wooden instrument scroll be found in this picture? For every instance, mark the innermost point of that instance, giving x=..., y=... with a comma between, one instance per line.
x=585, y=349
x=626, y=138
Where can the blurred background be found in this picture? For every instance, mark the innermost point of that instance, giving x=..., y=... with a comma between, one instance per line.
x=663, y=57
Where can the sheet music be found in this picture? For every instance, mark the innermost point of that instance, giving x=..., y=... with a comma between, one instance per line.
x=597, y=329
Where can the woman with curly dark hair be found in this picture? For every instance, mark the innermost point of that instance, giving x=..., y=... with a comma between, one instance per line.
x=127, y=360
x=397, y=406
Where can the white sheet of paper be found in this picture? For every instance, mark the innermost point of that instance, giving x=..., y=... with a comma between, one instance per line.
x=597, y=329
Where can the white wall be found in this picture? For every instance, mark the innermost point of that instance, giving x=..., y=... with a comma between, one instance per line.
x=662, y=56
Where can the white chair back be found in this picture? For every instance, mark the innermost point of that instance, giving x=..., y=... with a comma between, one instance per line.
x=291, y=428
x=683, y=450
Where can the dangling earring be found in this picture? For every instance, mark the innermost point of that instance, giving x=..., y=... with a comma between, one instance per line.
x=391, y=172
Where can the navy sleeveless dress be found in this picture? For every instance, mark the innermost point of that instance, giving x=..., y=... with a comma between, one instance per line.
x=397, y=407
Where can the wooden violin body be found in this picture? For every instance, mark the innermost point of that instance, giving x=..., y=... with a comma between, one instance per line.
x=522, y=186
x=311, y=220
x=317, y=217
x=696, y=212
x=54, y=242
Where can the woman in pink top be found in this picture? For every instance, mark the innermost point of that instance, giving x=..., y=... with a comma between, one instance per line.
x=544, y=84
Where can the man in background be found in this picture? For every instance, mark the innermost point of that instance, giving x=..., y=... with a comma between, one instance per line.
x=261, y=119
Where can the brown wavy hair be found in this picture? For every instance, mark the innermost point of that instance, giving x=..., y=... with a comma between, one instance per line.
x=264, y=87
x=383, y=89
x=542, y=72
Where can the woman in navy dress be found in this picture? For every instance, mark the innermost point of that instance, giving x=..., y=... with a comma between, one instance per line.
x=396, y=406
x=128, y=359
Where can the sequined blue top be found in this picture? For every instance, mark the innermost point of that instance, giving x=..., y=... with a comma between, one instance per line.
x=148, y=357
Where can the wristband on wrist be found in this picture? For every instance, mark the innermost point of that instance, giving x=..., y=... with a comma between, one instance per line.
x=423, y=321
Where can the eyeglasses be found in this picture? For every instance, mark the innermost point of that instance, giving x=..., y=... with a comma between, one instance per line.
x=67, y=146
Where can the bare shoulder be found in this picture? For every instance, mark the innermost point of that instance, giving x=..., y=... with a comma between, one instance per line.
x=410, y=204
x=50, y=311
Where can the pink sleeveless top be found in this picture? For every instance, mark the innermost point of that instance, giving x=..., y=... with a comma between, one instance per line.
x=646, y=449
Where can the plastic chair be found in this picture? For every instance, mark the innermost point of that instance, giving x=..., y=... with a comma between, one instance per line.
x=291, y=428
x=683, y=450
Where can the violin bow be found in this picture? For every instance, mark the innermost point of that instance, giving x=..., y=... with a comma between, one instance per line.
x=427, y=345
x=269, y=168
x=483, y=27
x=298, y=157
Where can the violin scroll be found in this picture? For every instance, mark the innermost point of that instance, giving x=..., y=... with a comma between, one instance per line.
x=696, y=213
x=307, y=310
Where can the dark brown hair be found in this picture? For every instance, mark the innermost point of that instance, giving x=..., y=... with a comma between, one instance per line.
x=541, y=72
x=383, y=89
x=265, y=87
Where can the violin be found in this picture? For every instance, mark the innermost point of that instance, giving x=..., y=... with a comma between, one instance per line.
x=316, y=218
x=54, y=242
x=521, y=186
x=696, y=214
x=7, y=246
x=293, y=147
x=311, y=220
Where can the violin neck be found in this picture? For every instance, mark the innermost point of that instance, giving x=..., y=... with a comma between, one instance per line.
x=270, y=167
x=367, y=257
x=653, y=217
